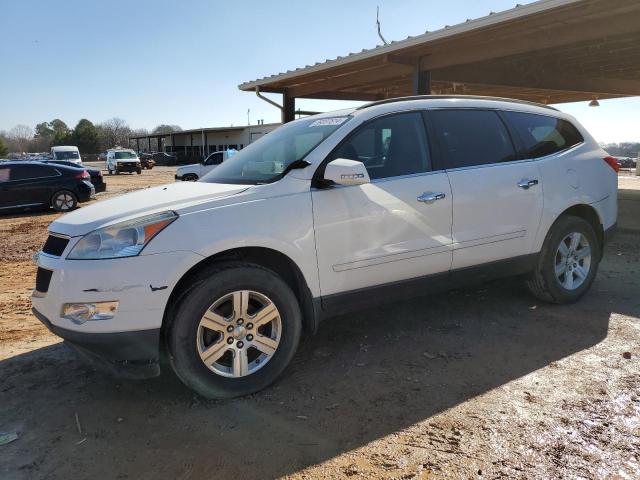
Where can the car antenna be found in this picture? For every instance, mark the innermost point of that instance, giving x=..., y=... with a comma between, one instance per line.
x=378, y=23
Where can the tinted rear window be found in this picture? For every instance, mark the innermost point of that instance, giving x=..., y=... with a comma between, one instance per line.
x=25, y=172
x=541, y=135
x=471, y=137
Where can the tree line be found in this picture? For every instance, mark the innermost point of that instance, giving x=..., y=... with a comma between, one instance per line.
x=624, y=149
x=87, y=136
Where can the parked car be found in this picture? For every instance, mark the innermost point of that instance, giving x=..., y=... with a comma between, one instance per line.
x=121, y=160
x=147, y=161
x=325, y=215
x=95, y=174
x=36, y=185
x=66, y=152
x=195, y=171
x=627, y=162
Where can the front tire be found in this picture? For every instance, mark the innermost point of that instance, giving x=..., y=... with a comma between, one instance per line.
x=190, y=177
x=234, y=332
x=568, y=262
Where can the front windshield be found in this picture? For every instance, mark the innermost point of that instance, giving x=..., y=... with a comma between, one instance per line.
x=68, y=155
x=124, y=155
x=266, y=160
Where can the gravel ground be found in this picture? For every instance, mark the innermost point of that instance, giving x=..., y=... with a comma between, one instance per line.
x=484, y=382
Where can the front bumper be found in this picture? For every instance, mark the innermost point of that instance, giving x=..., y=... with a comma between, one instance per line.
x=128, y=167
x=124, y=354
x=142, y=285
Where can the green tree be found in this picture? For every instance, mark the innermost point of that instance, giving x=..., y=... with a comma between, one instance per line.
x=3, y=149
x=85, y=136
x=61, y=133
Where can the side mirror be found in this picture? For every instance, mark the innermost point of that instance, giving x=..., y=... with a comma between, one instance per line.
x=346, y=172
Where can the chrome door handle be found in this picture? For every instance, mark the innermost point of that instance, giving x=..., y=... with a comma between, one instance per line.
x=526, y=183
x=430, y=197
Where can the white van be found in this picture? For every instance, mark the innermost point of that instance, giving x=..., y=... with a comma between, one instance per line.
x=68, y=153
x=123, y=160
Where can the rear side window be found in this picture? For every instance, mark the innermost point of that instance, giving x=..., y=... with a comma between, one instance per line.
x=469, y=138
x=4, y=174
x=541, y=135
x=27, y=172
x=389, y=146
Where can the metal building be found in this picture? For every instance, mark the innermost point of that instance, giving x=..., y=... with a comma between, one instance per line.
x=195, y=144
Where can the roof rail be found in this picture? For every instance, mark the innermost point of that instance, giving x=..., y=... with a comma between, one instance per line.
x=463, y=97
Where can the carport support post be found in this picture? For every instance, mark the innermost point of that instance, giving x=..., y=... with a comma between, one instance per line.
x=137, y=145
x=288, y=107
x=421, y=80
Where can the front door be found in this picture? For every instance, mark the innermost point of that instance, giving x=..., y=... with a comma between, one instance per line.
x=397, y=227
x=497, y=199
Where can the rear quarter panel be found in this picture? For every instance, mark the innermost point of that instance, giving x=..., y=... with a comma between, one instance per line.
x=577, y=176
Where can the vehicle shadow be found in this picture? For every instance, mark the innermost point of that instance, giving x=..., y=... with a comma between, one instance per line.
x=362, y=377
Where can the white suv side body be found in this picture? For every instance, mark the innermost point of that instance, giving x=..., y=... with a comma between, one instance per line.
x=330, y=247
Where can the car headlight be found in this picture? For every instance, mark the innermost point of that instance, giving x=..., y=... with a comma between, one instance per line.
x=126, y=239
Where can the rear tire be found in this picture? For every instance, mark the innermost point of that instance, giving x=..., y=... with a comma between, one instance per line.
x=231, y=356
x=64, y=201
x=568, y=262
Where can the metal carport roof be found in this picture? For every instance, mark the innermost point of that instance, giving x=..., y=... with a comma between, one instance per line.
x=550, y=51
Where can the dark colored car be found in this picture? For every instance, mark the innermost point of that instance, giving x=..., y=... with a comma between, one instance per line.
x=33, y=185
x=95, y=173
x=147, y=161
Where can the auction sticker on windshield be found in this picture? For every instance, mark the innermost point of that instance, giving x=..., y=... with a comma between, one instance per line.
x=328, y=121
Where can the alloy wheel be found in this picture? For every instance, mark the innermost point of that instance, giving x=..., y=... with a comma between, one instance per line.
x=239, y=333
x=573, y=261
x=64, y=202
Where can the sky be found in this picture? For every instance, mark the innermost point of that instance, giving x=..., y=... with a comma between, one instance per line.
x=176, y=62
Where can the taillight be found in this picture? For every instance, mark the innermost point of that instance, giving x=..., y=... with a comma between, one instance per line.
x=83, y=176
x=613, y=163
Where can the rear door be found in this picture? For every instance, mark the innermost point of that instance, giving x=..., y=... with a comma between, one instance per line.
x=497, y=198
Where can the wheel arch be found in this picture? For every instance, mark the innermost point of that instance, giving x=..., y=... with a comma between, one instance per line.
x=590, y=215
x=268, y=258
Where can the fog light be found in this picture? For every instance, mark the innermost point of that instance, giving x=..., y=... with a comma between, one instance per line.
x=80, y=313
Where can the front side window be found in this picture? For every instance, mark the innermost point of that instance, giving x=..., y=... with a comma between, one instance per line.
x=541, y=135
x=389, y=146
x=471, y=137
x=266, y=159
x=214, y=159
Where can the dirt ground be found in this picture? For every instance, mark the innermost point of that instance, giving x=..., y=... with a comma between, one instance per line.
x=484, y=382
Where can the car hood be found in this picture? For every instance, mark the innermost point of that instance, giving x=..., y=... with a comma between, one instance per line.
x=175, y=196
x=190, y=166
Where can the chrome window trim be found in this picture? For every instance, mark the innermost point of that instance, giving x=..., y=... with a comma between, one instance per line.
x=515, y=162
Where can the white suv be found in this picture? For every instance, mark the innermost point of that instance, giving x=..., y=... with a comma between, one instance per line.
x=324, y=215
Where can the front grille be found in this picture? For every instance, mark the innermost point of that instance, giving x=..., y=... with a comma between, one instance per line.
x=43, y=279
x=55, y=245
